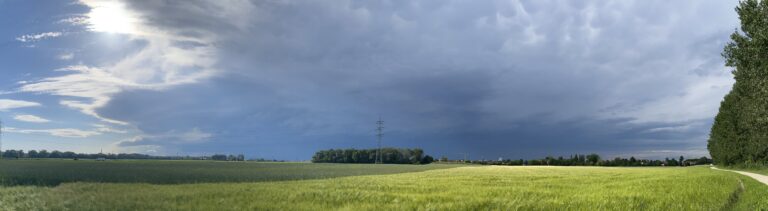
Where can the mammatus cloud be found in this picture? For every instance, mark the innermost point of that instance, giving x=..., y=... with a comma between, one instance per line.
x=7, y=104
x=38, y=37
x=30, y=118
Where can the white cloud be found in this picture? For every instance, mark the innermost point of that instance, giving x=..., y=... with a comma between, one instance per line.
x=143, y=149
x=76, y=20
x=66, y=56
x=30, y=118
x=107, y=129
x=699, y=99
x=63, y=132
x=162, y=63
x=91, y=83
x=192, y=136
x=37, y=37
x=7, y=104
x=98, y=129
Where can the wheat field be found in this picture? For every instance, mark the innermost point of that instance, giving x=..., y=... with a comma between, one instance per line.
x=304, y=186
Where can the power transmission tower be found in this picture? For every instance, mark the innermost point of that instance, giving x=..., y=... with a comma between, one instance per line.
x=379, y=128
x=466, y=156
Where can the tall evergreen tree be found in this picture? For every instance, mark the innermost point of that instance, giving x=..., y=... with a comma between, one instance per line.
x=740, y=132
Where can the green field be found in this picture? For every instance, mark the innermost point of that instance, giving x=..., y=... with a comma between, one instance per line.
x=153, y=185
x=54, y=172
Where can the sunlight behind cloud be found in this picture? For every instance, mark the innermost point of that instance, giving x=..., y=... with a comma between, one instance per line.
x=166, y=60
x=111, y=17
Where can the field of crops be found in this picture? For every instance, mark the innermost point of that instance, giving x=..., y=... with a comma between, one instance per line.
x=294, y=186
x=54, y=172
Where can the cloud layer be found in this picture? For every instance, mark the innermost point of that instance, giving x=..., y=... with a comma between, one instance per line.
x=497, y=78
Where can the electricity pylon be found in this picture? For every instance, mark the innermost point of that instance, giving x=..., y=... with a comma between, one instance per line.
x=379, y=128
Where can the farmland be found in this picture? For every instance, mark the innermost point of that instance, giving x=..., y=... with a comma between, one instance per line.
x=197, y=185
x=54, y=172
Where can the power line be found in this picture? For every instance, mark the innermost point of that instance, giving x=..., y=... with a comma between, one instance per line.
x=379, y=128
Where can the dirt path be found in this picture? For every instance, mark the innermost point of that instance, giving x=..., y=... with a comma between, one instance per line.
x=758, y=177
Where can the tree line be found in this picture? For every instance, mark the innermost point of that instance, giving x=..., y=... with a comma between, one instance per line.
x=388, y=155
x=738, y=135
x=35, y=154
x=595, y=160
x=223, y=157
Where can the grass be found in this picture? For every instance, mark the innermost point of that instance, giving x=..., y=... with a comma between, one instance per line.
x=54, y=172
x=441, y=188
x=755, y=196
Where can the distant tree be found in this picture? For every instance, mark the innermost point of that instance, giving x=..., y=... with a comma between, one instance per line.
x=703, y=161
x=55, y=154
x=19, y=154
x=427, y=160
x=549, y=160
x=43, y=154
x=32, y=154
x=219, y=157
x=68, y=154
x=671, y=162
x=389, y=155
x=10, y=153
x=593, y=159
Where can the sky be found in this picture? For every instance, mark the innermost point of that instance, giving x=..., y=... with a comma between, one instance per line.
x=282, y=79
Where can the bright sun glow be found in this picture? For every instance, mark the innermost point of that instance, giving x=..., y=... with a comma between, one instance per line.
x=111, y=17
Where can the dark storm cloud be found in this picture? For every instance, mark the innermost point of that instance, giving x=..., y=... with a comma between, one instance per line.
x=493, y=78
